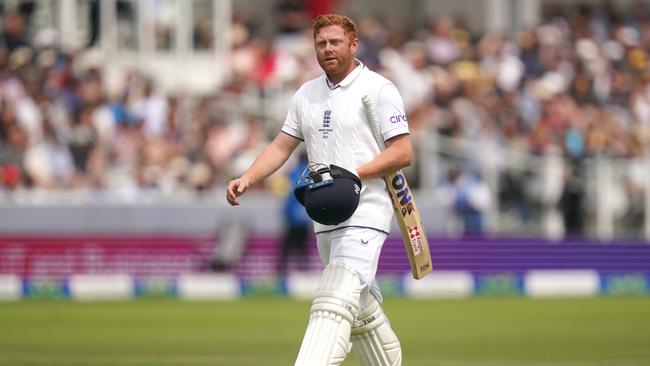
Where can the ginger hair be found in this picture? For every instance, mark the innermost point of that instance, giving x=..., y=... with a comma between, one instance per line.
x=349, y=28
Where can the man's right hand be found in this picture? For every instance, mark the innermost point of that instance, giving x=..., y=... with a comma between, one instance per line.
x=236, y=188
x=269, y=160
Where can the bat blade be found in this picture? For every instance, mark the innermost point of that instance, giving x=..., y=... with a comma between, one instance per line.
x=410, y=223
x=406, y=211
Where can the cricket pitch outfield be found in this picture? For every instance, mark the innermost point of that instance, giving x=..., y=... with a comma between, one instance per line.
x=267, y=331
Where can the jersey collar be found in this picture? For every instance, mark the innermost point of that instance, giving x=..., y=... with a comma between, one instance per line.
x=348, y=79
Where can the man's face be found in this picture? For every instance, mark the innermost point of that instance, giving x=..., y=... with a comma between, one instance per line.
x=335, y=52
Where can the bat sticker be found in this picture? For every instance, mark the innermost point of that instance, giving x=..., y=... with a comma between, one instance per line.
x=416, y=239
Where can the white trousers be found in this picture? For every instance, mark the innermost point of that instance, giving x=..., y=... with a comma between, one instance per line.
x=358, y=248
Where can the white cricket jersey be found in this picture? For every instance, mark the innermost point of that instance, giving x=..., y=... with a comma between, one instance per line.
x=330, y=119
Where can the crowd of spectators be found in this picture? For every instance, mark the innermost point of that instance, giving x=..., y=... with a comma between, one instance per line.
x=577, y=84
x=61, y=128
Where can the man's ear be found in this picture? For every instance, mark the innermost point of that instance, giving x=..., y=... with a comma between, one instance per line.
x=355, y=45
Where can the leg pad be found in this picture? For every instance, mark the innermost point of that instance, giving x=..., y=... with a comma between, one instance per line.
x=327, y=338
x=373, y=339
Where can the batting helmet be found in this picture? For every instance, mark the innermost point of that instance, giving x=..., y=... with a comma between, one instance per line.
x=330, y=194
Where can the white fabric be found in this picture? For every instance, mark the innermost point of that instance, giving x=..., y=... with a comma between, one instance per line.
x=50, y=162
x=358, y=248
x=373, y=339
x=153, y=112
x=327, y=338
x=332, y=122
x=105, y=124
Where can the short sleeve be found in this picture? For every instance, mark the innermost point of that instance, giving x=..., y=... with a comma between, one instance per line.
x=390, y=110
x=291, y=124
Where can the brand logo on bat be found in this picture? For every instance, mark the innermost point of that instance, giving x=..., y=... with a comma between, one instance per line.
x=415, y=237
x=403, y=194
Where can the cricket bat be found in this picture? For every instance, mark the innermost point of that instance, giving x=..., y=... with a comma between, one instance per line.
x=406, y=211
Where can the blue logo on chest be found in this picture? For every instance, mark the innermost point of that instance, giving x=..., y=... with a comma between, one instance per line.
x=327, y=119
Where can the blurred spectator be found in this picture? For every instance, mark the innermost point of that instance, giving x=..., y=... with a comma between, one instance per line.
x=151, y=109
x=578, y=83
x=202, y=35
x=49, y=161
x=291, y=17
x=14, y=33
x=441, y=47
x=12, y=150
x=469, y=197
x=82, y=139
x=319, y=7
x=232, y=238
x=296, y=225
x=571, y=202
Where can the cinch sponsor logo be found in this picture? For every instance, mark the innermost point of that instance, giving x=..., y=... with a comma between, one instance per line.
x=397, y=119
x=402, y=193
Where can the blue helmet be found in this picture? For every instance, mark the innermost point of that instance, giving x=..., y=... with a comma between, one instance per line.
x=330, y=194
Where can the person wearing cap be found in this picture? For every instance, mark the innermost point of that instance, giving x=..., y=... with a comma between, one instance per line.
x=343, y=192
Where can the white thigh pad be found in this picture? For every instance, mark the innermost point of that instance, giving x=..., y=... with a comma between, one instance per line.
x=327, y=338
x=373, y=339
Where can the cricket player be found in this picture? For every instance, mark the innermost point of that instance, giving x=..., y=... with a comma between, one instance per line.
x=327, y=114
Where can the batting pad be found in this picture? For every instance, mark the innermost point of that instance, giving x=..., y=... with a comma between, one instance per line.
x=373, y=338
x=327, y=338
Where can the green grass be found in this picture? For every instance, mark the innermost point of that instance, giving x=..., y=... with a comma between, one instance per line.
x=478, y=331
